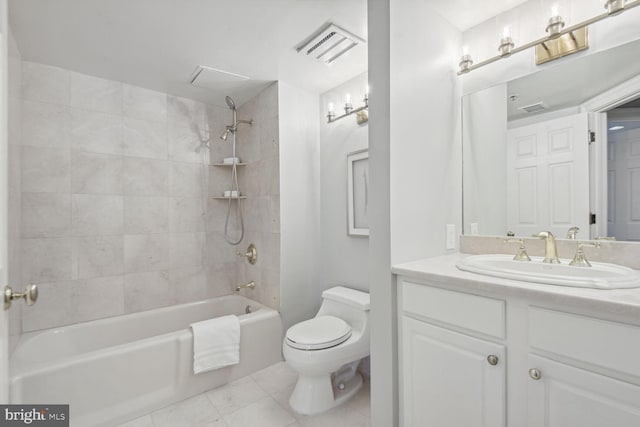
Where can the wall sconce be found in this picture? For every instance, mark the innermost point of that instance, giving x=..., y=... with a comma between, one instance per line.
x=559, y=42
x=361, y=112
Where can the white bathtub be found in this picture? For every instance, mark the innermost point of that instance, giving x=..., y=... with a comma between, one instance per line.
x=113, y=370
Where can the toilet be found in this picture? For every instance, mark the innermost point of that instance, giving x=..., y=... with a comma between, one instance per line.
x=326, y=351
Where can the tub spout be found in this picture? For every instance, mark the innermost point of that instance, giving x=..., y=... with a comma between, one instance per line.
x=250, y=285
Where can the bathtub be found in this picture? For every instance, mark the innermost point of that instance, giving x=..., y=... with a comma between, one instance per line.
x=112, y=370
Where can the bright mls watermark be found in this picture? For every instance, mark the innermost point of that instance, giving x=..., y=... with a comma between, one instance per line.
x=34, y=415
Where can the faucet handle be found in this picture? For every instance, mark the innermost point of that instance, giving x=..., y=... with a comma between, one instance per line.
x=521, y=255
x=572, y=232
x=580, y=259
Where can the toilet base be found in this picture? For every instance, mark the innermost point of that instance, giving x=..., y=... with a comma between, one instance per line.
x=315, y=394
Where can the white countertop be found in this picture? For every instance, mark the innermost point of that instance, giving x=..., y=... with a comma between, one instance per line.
x=441, y=270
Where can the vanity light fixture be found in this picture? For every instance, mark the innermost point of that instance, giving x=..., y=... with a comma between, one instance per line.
x=559, y=41
x=361, y=112
x=506, y=43
x=555, y=24
x=615, y=7
x=465, y=61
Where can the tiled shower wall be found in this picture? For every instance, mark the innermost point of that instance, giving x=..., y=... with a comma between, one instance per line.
x=258, y=147
x=14, y=193
x=114, y=216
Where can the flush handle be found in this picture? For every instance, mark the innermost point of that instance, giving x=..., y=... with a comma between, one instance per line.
x=30, y=295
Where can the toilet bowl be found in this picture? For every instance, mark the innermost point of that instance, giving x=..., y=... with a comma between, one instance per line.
x=326, y=351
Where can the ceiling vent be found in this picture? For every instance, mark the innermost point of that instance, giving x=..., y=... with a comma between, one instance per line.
x=534, y=108
x=210, y=78
x=329, y=44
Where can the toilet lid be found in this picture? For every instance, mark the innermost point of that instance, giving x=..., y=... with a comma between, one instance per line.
x=318, y=333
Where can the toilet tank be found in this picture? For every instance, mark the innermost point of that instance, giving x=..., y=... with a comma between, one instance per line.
x=350, y=305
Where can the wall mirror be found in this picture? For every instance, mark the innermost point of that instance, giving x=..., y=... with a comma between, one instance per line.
x=556, y=149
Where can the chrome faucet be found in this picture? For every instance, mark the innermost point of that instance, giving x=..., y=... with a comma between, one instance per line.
x=550, y=249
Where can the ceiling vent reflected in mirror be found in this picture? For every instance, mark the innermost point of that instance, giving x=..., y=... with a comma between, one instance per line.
x=534, y=108
x=329, y=44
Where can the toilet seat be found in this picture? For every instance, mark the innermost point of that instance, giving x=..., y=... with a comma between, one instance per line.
x=318, y=333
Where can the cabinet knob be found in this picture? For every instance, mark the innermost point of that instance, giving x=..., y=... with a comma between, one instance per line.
x=492, y=359
x=535, y=374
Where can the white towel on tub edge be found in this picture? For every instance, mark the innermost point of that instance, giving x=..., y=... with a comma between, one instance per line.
x=216, y=343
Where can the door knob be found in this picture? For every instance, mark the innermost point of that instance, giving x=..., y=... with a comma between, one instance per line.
x=30, y=295
x=492, y=359
x=535, y=374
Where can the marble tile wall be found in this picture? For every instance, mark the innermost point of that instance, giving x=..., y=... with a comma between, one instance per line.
x=114, y=206
x=259, y=180
x=14, y=187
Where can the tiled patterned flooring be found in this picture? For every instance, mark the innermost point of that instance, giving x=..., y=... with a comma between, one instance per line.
x=259, y=400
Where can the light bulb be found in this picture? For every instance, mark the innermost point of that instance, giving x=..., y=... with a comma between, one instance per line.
x=347, y=98
x=366, y=91
x=505, y=32
x=330, y=107
x=465, y=50
x=554, y=10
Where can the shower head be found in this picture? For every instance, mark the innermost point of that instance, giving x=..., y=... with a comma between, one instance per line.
x=228, y=130
x=230, y=102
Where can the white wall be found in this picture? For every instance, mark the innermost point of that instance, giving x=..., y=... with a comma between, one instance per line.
x=425, y=131
x=344, y=258
x=423, y=163
x=485, y=158
x=384, y=387
x=299, y=203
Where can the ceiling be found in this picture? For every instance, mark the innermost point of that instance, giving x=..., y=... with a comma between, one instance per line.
x=464, y=14
x=158, y=44
x=574, y=81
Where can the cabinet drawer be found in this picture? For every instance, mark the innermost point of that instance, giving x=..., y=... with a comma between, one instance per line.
x=472, y=312
x=602, y=343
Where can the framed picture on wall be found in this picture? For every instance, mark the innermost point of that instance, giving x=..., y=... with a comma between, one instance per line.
x=358, y=193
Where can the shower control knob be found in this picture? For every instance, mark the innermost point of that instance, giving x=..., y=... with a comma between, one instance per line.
x=492, y=359
x=30, y=295
x=251, y=254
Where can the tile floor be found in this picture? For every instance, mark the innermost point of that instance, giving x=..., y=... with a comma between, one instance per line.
x=259, y=400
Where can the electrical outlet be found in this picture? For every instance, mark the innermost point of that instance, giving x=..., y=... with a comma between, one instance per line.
x=451, y=236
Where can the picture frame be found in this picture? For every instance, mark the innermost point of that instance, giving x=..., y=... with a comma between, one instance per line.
x=358, y=193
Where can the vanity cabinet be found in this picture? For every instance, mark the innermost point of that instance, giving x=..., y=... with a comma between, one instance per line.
x=561, y=395
x=461, y=355
x=450, y=378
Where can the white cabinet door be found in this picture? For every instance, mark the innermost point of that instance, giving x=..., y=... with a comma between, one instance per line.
x=447, y=380
x=548, y=176
x=565, y=396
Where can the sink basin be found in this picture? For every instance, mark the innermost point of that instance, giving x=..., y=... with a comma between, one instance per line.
x=600, y=276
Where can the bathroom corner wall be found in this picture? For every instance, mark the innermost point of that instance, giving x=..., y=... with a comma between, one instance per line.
x=14, y=195
x=257, y=147
x=113, y=219
x=345, y=257
x=300, y=207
